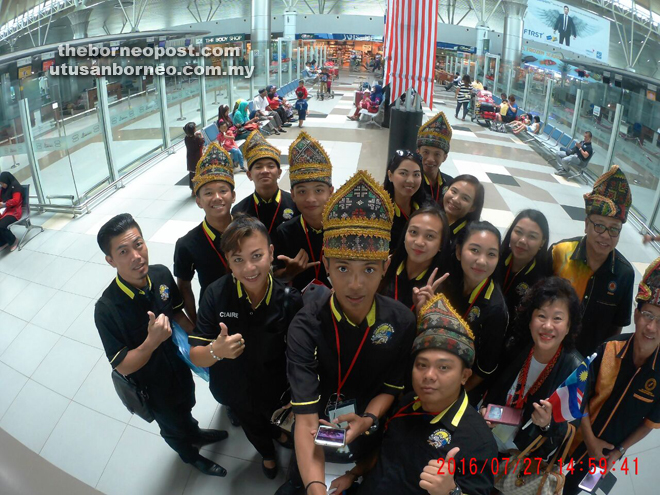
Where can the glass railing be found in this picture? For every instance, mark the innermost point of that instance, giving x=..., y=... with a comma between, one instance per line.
x=85, y=134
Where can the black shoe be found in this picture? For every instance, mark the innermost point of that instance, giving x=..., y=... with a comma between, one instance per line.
x=233, y=419
x=288, y=488
x=209, y=467
x=271, y=473
x=287, y=125
x=207, y=437
x=282, y=130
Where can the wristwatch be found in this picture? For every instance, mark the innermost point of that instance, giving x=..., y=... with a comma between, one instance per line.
x=621, y=449
x=374, y=427
x=456, y=491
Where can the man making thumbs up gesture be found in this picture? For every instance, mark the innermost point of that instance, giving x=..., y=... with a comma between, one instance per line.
x=434, y=442
x=134, y=317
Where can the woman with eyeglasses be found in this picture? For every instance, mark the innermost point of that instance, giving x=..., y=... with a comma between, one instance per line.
x=421, y=250
x=550, y=314
x=524, y=261
x=463, y=202
x=403, y=180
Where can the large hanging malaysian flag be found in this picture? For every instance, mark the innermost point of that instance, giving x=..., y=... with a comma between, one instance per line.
x=410, y=38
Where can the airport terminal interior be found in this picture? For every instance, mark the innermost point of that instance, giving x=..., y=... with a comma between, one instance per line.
x=90, y=148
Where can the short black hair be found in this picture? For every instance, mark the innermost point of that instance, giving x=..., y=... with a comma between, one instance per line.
x=262, y=90
x=189, y=129
x=114, y=227
x=242, y=226
x=590, y=135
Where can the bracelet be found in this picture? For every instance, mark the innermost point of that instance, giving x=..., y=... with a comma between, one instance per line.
x=213, y=353
x=546, y=427
x=312, y=482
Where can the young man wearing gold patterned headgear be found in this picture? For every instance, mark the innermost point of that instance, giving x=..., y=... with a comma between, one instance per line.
x=624, y=400
x=347, y=351
x=268, y=202
x=601, y=276
x=199, y=250
x=435, y=421
x=299, y=241
x=433, y=139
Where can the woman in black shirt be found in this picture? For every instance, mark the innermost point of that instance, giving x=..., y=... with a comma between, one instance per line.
x=462, y=203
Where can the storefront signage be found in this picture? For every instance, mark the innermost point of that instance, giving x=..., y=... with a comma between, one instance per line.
x=456, y=48
x=338, y=37
x=225, y=38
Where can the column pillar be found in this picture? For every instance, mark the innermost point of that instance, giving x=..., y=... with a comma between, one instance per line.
x=514, y=12
x=482, y=34
x=79, y=23
x=260, y=39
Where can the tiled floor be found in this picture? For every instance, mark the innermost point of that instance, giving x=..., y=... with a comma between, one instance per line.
x=57, y=397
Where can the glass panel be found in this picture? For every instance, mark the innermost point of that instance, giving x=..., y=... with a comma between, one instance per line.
x=182, y=96
x=637, y=150
x=216, y=95
x=536, y=94
x=135, y=123
x=13, y=156
x=66, y=129
x=562, y=104
x=596, y=115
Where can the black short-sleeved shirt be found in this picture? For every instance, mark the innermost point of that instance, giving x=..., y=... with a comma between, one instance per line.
x=258, y=375
x=400, y=287
x=194, y=253
x=485, y=311
x=272, y=212
x=312, y=353
x=290, y=238
x=412, y=440
x=455, y=229
x=606, y=295
x=621, y=396
x=399, y=225
x=122, y=320
x=436, y=192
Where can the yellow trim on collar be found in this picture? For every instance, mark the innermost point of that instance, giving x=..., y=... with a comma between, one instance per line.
x=458, y=229
x=510, y=257
x=457, y=417
x=127, y=290
x=267, y=296
x=305, y=226
x=531, y=267
x=489, y=291
x=401, y=268
x=476, y=290
x=208, y=230
x=259, y=200
x=371, y=316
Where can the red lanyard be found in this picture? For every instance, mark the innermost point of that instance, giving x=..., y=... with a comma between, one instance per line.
x=256, y=207
x=434, y=196
x=317, y=268
x=224, y=263
x=506, y=278
x=340, y=381
x=403, y=212
x=400, y=414
x=465, y=316
x=522, y=380
x=396, y=289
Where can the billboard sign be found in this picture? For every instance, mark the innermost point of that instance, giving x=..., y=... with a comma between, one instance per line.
x=569, y=28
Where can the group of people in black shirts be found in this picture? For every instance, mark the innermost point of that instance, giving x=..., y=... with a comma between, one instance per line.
x=389, y=310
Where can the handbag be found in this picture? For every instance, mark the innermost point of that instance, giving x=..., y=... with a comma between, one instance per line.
x=133, y=397
x=526, y=478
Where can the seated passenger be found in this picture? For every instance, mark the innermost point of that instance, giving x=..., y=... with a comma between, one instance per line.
x=433, y=423
x=365, y=104
x=226, y=139
x=403, y=180
x=550, y=311
x=624, y=403
x=241, y=333
x=422, y=250
x=12, y=200
x=245, y=125
x=577, y=156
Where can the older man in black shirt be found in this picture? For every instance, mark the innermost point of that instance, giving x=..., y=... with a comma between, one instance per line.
x=134, y=318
